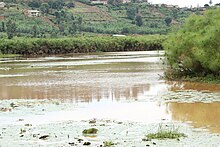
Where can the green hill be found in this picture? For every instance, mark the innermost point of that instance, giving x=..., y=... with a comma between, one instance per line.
x=65, y=18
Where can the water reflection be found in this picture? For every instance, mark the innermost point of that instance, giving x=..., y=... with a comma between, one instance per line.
x=198, y=86
x=200, y=114
x=82, y=78
x=74, y=93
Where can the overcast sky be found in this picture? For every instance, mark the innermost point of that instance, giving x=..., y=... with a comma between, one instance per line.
x=183, y=3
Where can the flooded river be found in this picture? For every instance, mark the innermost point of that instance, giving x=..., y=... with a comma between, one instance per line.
x=117, y=86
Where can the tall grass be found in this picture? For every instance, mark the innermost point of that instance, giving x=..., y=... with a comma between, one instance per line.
x=164, y=132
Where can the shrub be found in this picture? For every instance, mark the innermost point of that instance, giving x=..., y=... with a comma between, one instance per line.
x=195, y=48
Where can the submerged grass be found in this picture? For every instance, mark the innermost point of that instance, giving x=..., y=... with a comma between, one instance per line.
x=166, y=133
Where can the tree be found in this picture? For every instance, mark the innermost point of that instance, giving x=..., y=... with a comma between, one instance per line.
x=34, y=4
x=44, y=8
x=73, y=28
x=131, y=12
x=3, y=26
x=10, y=29
x=70, y=5
x=114, y=2
x=56, y=4
x=138, y=20
x=34, y=31
x=174, y=13
x=168, y=20
x=210, y=2
x=206, y=5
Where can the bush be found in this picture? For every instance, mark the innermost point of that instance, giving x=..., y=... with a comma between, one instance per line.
x=43, y=46
x=195, y=49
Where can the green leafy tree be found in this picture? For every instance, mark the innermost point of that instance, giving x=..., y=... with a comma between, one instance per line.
x=131, y=12
x=138, y=20
x=34, y=4
x=10, y=29
x=3, y=26
x=44, y=8
x=114, y=2
x=168, y=21
x=34, y=31
x=206, y=5
x=56, y=4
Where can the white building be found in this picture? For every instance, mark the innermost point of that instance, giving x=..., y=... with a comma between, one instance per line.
x=2, y=5
x=33, y=13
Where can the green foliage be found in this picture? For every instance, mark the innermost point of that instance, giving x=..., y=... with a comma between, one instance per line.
x=90, y=131
x=165, y=133
x=139, y=21
x=195, y=49
x=131, y=12
x=10, y=29
x=168, y=20
x=44, y=8
x=113, y=18
x=41, y=46
x=108, y=144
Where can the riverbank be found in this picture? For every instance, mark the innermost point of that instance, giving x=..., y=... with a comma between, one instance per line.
x=82, y=44
x=174, y=75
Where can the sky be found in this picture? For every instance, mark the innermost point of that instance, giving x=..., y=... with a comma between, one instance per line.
x=184, y=3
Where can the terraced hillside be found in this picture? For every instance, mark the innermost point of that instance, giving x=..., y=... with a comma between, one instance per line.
x=71, y=17
x=91, y=13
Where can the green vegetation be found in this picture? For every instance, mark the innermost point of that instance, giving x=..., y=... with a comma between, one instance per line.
x=165, y=133
x=90, y=131
x=194, y=50
x=60, y=18
x=42, y=46
x=108, y=143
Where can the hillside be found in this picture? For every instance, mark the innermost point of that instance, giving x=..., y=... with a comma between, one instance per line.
x=59, y=18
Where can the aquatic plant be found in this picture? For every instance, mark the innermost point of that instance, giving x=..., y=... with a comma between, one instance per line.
x=108, y=143
x=90, y=131
x=165, y=133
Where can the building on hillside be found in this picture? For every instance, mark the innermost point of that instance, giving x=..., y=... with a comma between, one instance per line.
x=172, y=6
x=142, y=1
x=33, y=13
x=126, y=1
x=98, y=2
x=2, y=5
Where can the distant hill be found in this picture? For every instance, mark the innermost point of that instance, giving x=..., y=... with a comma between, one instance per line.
x=59, y=18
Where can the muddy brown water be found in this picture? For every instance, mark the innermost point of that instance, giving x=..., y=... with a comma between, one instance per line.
x=121, y=86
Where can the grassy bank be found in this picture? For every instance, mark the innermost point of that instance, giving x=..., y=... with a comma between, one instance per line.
x=42, y=46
